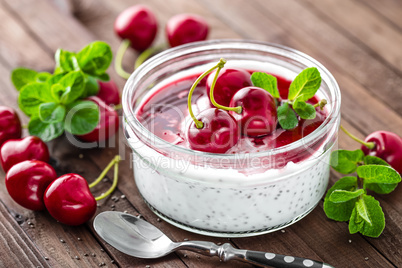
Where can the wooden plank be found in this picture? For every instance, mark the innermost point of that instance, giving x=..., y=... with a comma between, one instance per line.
x=359, y=22
x=21, y=252
x=391, y=10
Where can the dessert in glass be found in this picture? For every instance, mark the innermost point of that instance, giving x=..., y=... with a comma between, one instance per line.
x=260, y=183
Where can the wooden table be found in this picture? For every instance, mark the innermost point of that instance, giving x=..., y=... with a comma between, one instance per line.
x=359, y=41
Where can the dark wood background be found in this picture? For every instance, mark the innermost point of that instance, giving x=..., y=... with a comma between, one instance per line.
x=359, y=41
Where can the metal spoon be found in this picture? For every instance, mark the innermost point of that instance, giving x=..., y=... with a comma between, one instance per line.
x=138, y=238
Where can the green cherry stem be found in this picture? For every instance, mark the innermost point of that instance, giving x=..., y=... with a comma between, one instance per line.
x=220, y=65
x=148, y=53
x=321, y=104
x=118, y=107
x=237, y=109
x=115, y=180
x=119, y=59
x=115, y=160
x=369, y=145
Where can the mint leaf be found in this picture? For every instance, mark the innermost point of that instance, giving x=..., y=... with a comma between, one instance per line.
x=267, y=82
x=340, y=196
x=43, y=77
x=45, y=131
x=380, y=179
x=286, y=117
x=51, y=112
x=340, y=211
x=305, y=85
x=367, y=217
x=304, y=110
x=73, y=84
x=32, y=95
x=373, y=160
x=345, y=161
x=82, y=118
x=95, y=58
x=104, y=77
x=91, y=86
x=22, y=76
x=66, y=61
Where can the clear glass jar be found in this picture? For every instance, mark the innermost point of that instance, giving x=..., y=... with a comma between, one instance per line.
x=220, y=194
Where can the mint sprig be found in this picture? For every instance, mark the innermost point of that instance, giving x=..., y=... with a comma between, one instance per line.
x=50, y=99
x=302, y=88
x=347, y=199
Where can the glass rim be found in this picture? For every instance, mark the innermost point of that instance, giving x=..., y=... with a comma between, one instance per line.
x=217, y=44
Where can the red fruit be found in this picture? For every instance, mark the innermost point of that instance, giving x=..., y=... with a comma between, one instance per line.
x=219, y=133
x=388, y=146
x=137, y=24
x=29, y=148
x=10, y=125
x=229, y=81
x=69, y=200
x=108, y=123
x=109, y=92
x=258, y=116
x=27, y=181
x=186, y=28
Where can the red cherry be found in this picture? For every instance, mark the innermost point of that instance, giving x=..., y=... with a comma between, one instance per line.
x=258, y=116
x=109, y=92
x=388, y=146
x=28, y=148
x=229, y=81
x=108, y=123
x=10, y=124
x=137, y=24
x=186, y=28
x=218, y=134
x=27, y=181
x=69, y=200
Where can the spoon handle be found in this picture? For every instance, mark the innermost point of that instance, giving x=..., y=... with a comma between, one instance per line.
x=263, y=259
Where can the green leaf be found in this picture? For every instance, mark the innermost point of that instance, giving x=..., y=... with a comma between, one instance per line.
x=286, y=117
x=304, y=110
x=305, y=85
x=374, y=160
x=66, y=61
x=104, y=77
x=22, y=76
x=91, y=86
x=82, y=118
x=341, y=196
x=267, y=82
x=345, y=161
x=32, y=95
x=43, y=77
x=380, y=179
x=73, y=84
x=95, y=58
x=367, y=217
x=45, y=131
x=51, y=112
x=341, y=211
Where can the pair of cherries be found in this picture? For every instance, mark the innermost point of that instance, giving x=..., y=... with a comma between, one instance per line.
x=139, y=25
x=252, y=111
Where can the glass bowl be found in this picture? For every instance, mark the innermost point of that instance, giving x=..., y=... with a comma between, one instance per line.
x=220, y=194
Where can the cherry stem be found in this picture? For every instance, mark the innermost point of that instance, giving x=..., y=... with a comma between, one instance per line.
x=115, y=160
x=148, y=53
x=237, y=109
x=220, y=65
x=115, y=180
x=119, y=59
x=321, y=104
x=118, y=107
x=369, y=145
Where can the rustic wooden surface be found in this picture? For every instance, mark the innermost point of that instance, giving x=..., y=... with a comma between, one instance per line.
x=359, y=41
